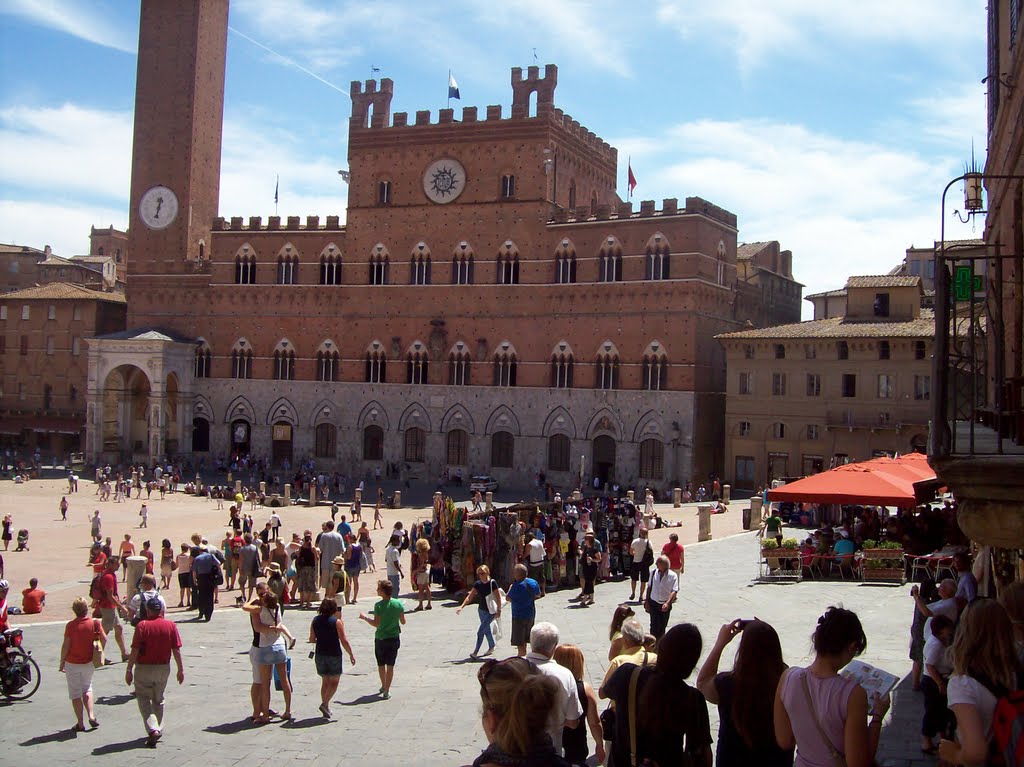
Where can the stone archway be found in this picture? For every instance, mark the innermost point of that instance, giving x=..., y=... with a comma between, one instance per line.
x=126, y=428
x=604, y=459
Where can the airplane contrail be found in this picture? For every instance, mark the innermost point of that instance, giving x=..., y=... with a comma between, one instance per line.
x=288, y=61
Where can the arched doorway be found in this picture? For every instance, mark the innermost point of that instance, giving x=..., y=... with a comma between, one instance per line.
x=240, y=436
x=604, y=459
x=200, y=435
x=281, y=445
x=126, y=394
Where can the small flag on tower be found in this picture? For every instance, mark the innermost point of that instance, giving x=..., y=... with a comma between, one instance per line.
x=277, y=183
x=453, y=87
x=631, y=182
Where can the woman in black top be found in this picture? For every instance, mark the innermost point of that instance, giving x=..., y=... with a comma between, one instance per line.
x=671, y=717
x=328, y=632
x=590, y=558
x=574, y=739
x=746, y=696
x=485, y=585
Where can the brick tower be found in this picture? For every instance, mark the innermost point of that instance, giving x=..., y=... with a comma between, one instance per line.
x=179, y=106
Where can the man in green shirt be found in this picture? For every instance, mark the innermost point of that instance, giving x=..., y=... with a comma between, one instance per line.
x=388, y=618
x=773, y=526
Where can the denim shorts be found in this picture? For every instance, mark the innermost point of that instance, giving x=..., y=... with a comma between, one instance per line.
x=273, y=654
x=328, y=665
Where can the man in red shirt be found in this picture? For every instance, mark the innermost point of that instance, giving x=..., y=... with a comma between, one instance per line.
x=33, y=598
x=156, y=640
x=110, y=606
x=674, y=551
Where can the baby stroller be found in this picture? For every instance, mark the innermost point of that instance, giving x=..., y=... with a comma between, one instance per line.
x=22, y=540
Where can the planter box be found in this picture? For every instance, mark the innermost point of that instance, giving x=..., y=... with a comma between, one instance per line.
x=780, y=553
x=896, y=574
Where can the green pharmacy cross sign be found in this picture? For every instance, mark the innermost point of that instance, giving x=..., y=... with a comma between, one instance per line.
x=965, y=282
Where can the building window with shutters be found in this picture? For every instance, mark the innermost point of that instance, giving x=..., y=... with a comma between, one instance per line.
x=502, y=450
x=462, y=270
x=508, y=269
x=457, y=449
x=558, y=452
x=373, y=443
x=778, y=384
x=330, y=269
x=813, y=385
x=415, y=445
x=241, y=361
x=419, y=270
x=652, y=459
x=245, y=270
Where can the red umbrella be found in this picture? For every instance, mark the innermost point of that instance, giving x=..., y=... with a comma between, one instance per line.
x=880, y=482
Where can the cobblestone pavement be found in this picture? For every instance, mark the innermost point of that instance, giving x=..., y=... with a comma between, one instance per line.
x=433, y=715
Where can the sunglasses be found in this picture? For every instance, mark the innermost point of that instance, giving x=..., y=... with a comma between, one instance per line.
x=488, y=666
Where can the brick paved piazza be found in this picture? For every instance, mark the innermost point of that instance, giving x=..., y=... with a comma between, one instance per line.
x=433, y=715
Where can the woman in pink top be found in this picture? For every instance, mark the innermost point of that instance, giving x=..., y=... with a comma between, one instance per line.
x=824, y=715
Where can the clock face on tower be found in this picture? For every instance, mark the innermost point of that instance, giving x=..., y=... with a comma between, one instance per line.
x=444, y=180
x=158, y=207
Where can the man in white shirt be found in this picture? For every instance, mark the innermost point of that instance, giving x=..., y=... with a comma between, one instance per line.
x=643, y=556
x=393, y=559
x=946, y=605
x=664, y=587
x=147, y=591
x=543, y=641
x=535, y=557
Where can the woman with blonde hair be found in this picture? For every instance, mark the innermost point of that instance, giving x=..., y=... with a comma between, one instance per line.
x=76, y=660
x=574, y=739
x=985, y=667
x=485, y=586
x=420, y=571
x=518, y=702
x=621, y=614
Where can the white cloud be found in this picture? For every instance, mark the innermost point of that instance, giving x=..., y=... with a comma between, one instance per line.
x=953, y=116
x=87, y=21
x=759, y=30
x=61, y=224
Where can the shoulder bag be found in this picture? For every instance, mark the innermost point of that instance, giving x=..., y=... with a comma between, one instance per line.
x=837, y=759
x=492, y=597
x=98, y=659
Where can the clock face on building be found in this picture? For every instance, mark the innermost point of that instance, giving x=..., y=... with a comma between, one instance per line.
x=444, y=180
x=158, y=207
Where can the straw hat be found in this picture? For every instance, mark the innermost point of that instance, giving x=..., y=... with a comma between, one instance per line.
x=274, y=567
x=338, y=560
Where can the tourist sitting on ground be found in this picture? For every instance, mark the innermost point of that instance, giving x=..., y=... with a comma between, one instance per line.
x=518, y=704
x=823, y=713
x=670, y=716
x=746, y=695
x=635, y=650
x=985, y=668
x=33, y=599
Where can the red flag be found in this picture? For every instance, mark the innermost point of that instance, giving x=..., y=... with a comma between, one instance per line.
x=631, y=183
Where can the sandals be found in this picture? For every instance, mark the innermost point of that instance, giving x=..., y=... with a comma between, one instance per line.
x=94, y=723
x=78, y=728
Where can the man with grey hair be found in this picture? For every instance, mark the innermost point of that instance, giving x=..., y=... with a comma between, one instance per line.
x=633, y=650
x=331, y=545
x=543, y=641
x=664, y=588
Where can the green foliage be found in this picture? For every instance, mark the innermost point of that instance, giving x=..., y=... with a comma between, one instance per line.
x=769, y=543
x=790, y=543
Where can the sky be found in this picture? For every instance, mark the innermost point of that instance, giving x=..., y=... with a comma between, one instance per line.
x=831, y=127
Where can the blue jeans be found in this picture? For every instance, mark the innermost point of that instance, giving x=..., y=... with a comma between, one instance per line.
x=484, y=632
x=396, y=581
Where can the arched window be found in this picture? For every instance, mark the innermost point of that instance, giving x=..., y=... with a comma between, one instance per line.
x=287, y=266
x=508, y=264
x=607, y=372
x=657, y=260
x=458, y=365
x=655, y=367
x=200, y=435
x=565, y=263
x=415, y=444
x=462, y=264
x=203, y=360
x=380, y=266
x=284, y=362
x=330, y=266
x=652, y=459
x=384, y=193
x=416, y=366
x=457, y=450
x=610, y=260
x=561, y=366
x=373, y=443
x=328, y=362
x=505, y=364
x=245, y=266
x=508, y=186
x=376, y=363
x=558, y=452
x=241, y=359
x=326, y=440
x=419, y=269
x=502, y=450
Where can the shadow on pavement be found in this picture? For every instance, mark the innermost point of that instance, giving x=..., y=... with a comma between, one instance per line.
x=61, y=736
x=231, y=728
x=117, y=748
x=302, y=724
x=115, y=700
x=363, y=699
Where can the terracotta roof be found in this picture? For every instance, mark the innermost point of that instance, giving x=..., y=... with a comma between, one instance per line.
x=828, y=294
x=839, y=327
x=146, y=334
x=883, y=281
x=56, y=291
x=6, y=248
x=747, y=250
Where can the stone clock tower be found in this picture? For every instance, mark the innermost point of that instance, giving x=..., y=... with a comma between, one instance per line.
x=179, y=107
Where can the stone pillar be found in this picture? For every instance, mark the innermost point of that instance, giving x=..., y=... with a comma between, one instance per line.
x=704, y=523
x=288, y=494
x=756, y=502
x=489, y=501
x=397, y=502
x=677, y=497
x=726, y=493
x=312, y=494
x=576, y=496
x=359, y=495
x=238, y=486
x=630, y=496
x=437, y=499
x=136, y=569
x=263, y=488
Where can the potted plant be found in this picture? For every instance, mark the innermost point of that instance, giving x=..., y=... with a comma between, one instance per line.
x=781, y=557
x=883, y=561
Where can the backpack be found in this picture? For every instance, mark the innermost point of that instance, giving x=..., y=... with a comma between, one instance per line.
x=1007, y=746
x=94, y=588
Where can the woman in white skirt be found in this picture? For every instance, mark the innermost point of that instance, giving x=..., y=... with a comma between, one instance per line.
x=76, y=661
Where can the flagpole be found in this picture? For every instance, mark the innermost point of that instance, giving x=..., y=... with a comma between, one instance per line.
x=277, y=186
x=449, y=86
x=629, y=165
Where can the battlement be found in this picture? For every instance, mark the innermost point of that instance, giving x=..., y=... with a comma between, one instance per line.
x=291, y=224
x=624, y=210
x=371, y=107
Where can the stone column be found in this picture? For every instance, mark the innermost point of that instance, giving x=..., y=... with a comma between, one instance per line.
x=677, y=497
x=726, y=493
x=238, y=486
x=312, y=494
x=397, y=502
x=630, y=496
x=288, y=494
x=704, y=523
x=489, y=501
x=263, y=488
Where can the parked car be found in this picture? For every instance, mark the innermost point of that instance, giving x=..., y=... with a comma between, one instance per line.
x=483, y=483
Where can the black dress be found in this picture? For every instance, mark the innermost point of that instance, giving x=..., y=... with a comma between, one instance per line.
x=732, y=750
x=574, y=739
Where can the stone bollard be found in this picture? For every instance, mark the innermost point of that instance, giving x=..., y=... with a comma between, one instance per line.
x=677, y=497
x=288, y=495
x=238, y=486
x=756, y=509
x=136, y=569
x=704, y=523
x=489, y=501
x=312, y=494
x=397, y=502
x=576, y=496
x=629, y=496
x=437, y=499
x=263, y=488
x=726, y=493
x=359, y=495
